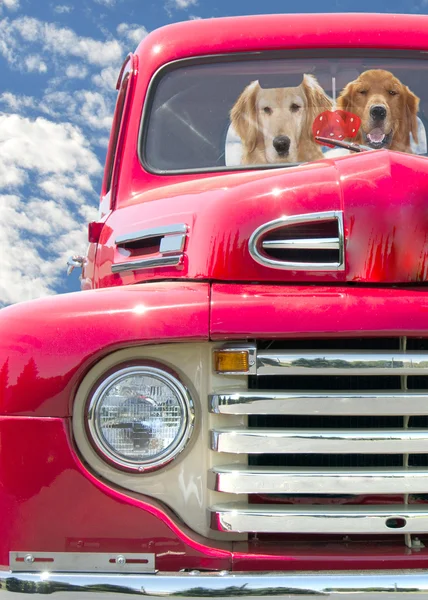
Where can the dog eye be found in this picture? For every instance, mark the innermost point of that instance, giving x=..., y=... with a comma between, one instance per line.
x=363, y=92
x=294, y=107
x=392, y=93
x=267, y=110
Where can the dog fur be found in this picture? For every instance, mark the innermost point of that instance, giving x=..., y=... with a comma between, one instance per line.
x=379, y=88
x=261, y=116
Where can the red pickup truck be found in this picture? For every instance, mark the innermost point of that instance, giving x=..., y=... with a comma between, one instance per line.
x=237, y=404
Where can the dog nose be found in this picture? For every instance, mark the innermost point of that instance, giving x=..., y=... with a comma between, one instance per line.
x=378, y=112
x=281, y=143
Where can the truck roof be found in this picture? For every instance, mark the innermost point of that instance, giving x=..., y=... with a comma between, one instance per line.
x=283, y=31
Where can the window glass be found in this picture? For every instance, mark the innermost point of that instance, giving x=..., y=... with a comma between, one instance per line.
x=267, y=112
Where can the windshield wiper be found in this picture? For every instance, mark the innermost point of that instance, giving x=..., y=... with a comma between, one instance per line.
x=341, y=144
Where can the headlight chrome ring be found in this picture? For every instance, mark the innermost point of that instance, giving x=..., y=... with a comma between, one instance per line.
x=139, y=418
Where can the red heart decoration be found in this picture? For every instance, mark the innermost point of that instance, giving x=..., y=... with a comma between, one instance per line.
x=352, y=122
x=338, y=124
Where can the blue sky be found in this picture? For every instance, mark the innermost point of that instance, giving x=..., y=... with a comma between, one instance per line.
x=58, y=65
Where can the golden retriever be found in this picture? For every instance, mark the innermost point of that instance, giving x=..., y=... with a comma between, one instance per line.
x=386, y=107
x=275, y=124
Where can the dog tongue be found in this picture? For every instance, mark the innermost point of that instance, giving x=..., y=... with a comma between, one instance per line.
x=376, y=135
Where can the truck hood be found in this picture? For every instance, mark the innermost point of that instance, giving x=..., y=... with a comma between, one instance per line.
x=358, y=218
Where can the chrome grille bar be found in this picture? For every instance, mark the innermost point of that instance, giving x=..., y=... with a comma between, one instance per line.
x=389, y=519
x=319, y=441
x=241, y=479
x=281, y=362
x=265, y=402
x=299, y=427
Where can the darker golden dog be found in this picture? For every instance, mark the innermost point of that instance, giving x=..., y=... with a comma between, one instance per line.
x=386, y=107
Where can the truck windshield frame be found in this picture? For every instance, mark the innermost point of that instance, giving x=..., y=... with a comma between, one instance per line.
x=146, y=133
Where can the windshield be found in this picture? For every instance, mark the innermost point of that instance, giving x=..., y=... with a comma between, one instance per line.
x=280, y=111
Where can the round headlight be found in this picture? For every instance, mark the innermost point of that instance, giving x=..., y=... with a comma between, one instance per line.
x=140, y=418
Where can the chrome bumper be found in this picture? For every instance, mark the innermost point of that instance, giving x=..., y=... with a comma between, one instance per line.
x=76, y=586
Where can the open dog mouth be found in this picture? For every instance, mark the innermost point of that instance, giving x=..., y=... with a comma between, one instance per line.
x=376, y=138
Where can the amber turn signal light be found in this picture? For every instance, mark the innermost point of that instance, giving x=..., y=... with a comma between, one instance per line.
x=235, y=361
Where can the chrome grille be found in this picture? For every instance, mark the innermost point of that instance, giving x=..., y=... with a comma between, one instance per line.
x=341, y=418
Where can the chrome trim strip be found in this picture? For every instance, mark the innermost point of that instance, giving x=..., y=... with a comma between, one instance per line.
x=147, y=263
x=246, y=518
x=302, y=244
x=268, y=402
x=172, y=243
x=242, y=479
x=254, y=242
x=301, y=585
x=82, y=562
x=143, y=234
x=282, y=362
x=320, y=441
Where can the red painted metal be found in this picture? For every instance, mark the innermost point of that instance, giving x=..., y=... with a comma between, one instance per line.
x=50, y=502
x=231, y=207
x=273, y=311
x=47, y=345
x=94, y=231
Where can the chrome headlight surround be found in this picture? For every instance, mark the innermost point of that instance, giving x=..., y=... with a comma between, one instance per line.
x=182, y=437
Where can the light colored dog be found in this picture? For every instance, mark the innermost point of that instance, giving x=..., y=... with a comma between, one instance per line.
x=386, y=107
x=275, y=124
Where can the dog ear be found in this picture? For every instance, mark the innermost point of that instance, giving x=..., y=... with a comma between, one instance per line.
x=412, y=106
x=344, y=101
x=318, y=101
x=243, y=116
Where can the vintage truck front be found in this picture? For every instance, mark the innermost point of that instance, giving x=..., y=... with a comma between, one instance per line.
x=236, y=405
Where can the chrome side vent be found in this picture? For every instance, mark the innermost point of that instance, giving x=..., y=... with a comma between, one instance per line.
x=311, y=242
x=151, y=248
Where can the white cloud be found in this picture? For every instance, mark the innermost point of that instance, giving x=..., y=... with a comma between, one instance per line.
x=76, y=71
x=44, y=146
x=10, y=4
x=18, y=103
x=63, y=9
x=34, y=63
x=46, y=225
x=182, y=4
x=106, y=2
x=172, y=5
x=87, y=108
x=132, y=32
x=60, y=41
x=102, y=142
x=34, y=229
x=106, y=78
x=94, y=109
x=28, y=27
